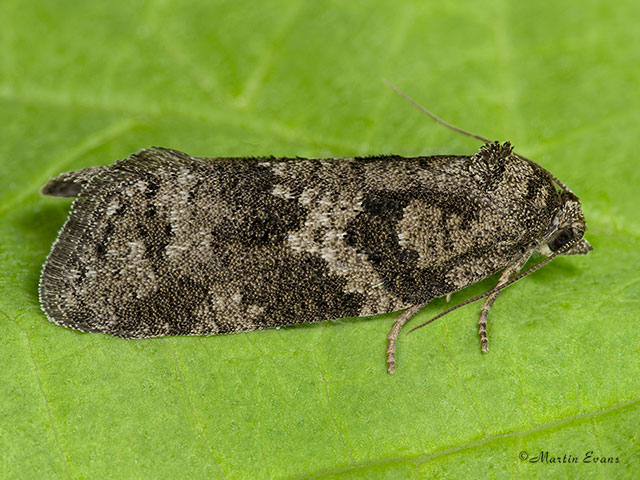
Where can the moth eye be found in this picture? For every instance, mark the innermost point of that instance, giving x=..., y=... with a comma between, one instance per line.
x=561, y=239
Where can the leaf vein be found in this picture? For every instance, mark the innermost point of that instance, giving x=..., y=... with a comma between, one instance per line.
x=92, y=142
x=336, y=426
x=257, y=76
x=230, y=118
x=420, y=459
x=47, y=405
x=195, y=422
x=465, y=389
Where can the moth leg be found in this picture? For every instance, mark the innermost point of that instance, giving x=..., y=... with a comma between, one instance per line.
x=482, y=321
x=507, y=274
x=403, y=318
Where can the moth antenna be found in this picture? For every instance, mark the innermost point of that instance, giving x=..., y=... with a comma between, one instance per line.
x=558, y=182
x=498, y=289
x=464, y=132
x=431, y=115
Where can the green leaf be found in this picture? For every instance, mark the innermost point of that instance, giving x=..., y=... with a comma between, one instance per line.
x=86, y=83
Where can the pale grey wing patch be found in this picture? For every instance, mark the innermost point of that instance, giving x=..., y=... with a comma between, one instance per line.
x=334, y=200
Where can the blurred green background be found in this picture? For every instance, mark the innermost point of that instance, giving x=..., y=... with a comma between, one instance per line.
x=86, y=83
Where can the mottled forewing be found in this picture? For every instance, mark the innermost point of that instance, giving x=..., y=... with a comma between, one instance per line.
x=165, y=244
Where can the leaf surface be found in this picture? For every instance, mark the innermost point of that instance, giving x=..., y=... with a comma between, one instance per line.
x=86, y=83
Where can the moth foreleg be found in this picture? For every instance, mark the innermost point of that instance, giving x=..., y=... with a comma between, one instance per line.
x=403, y=318
x=507, y=274
x=482, y=320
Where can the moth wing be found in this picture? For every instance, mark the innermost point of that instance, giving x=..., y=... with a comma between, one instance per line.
x=69, y=184
x=162, y=243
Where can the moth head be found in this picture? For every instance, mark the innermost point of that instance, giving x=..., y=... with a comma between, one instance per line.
x=567, y=227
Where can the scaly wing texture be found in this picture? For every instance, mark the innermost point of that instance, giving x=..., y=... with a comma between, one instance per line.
x=84, y=83
x=166, y=244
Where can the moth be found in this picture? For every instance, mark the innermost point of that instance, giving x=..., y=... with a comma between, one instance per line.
x=163, y=243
